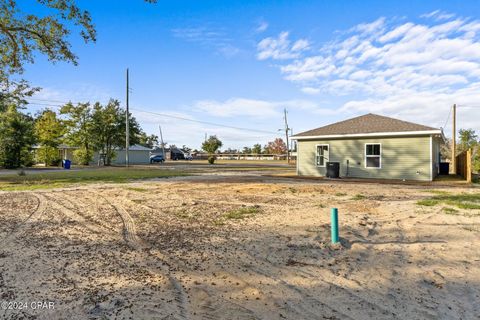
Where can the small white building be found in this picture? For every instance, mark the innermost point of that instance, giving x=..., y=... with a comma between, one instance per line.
x=137, y=154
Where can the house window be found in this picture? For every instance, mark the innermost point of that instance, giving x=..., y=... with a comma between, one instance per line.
x=322, y=155
x=373, y=155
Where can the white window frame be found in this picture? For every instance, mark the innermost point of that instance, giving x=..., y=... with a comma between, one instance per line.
x=370, y=156
x=317, y=155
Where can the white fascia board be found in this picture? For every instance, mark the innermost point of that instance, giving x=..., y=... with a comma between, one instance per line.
x=375, y=134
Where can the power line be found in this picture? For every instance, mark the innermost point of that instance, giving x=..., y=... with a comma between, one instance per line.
x=161, y=115
x=204, y=122
x=448, y=117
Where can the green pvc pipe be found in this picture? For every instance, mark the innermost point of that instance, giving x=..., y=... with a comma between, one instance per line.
x=334, y=225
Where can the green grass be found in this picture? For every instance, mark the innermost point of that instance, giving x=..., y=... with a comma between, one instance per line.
x=137, y=189
x=340, y=194
x=42, y=180
x=449, y=210
x=359, y=197
x=462, y=200
x=242, y=213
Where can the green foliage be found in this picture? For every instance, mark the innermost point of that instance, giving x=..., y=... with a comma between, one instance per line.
x=16, y=138
x=40, y=180
x=257, y=148
x=148, y=141
x=247, y=150
x=48, y=155
x=359, y=197
x=49, y=131
x=80, y=131
x=108, y=124
x=83, y=156
x=212, y=144
x=467, y=139
x=211, y=160
x=242, y=213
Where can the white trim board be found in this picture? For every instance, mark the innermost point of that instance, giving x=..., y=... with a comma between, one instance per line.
x=366, y=135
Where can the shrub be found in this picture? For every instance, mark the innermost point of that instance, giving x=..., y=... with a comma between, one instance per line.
x=211, y=159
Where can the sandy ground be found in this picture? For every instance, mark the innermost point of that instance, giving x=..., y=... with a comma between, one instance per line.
x=171, y=249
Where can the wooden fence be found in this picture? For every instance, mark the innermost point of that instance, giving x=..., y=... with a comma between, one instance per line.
x=464, y=165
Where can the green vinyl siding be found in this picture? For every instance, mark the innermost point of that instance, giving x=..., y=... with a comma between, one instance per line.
x=406, y=158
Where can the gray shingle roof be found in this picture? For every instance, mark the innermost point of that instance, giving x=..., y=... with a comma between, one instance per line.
x=369, y=123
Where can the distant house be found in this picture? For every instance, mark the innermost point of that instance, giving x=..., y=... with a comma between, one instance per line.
x=371, y=146
x=137, y=154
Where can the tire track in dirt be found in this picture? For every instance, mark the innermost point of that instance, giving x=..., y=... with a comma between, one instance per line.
x=40, y=208
x=134, y=242
x=55, y=203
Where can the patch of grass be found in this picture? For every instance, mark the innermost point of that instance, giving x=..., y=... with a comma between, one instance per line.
x=427, y=202
x=292, y=190
x=463, y=200
x=440, y=192
x=340, y=194
x=47, y=180
x=242, y=213
x=449, y=210
x=359, y=197
x=183, y=214
x=321, y=205
x=137, y=189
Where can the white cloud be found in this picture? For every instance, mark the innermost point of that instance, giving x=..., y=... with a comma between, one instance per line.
x=262, y=27
x=253, y=108
x=281, y=48
x=215, y=38
x=409, y=69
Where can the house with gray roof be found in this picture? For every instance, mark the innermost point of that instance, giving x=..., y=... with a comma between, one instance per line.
x=370, y=146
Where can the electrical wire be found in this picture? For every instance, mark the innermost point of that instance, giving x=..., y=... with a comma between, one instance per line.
x=161, y=115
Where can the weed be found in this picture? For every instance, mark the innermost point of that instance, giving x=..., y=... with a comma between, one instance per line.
x=321, y=205
x=242, y=213
x=428, y=202
x=292, y=190
x=358, y=197
x=340, y=194
x=449, y=210
x=137, y=189
x=462, y=200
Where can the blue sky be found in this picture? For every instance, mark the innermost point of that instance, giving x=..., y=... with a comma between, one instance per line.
x=239, y=63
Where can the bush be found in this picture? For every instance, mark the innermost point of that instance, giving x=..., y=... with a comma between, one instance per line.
x=82, y=156
x=211, y=159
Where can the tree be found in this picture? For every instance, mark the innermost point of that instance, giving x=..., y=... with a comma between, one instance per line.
x=247, y=150
x=467, y=139
x=108, y=126
x=16, y=138
x=24, y=32
x=277, y=146
x=29, y=29
x=148, y=141
x=49, y=131
x=211, y=145
x=79, y=130
x=257, y=148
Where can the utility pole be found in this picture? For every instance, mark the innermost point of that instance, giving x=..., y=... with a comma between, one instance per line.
x=286, y=134
x=454, y=143
x=127, y=127
x=163, y=144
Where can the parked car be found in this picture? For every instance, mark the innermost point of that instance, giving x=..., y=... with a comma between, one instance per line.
x=178, y=156
x=188, y=157
x=157, y=158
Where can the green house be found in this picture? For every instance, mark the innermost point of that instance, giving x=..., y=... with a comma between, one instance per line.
x=371, y=146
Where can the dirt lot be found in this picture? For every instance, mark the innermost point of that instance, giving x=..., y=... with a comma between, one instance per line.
x=238, y=246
